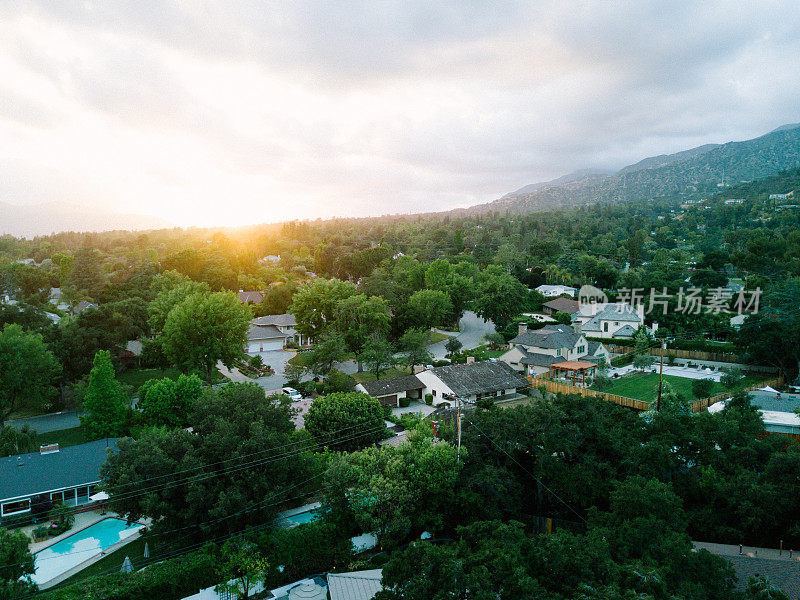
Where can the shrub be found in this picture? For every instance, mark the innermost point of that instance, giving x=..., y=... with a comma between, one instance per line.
x=405, y=402
x=701, y=388
x=256, y=362
x=428, y=399
x=602, y=382
x=730, y=377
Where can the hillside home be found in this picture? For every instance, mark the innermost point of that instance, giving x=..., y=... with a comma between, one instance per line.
x=553, y=291
x=286, y=324
x=67, y=474
x=534, y=351
x=264, y=338
x=611, y=320
x=254, y=297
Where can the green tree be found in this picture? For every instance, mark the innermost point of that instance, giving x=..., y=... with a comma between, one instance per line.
x=730, y=377
x=394, y=488
x=167, y=402
x=170, y=289
x=16, y=565
x=205, y=329
x=641, y=353
x=701, y=388
x=346, y=421
x=231, y=471
x=414, y=344
x=27, y=370
x=759, y=588
x=241, y=567
x=500, y=297
x=327, y=350
x=429, y=307
x=314, y=305
x=453, y=345
x=104, y=403
x=358, y=318
x=17, y=441
x=378, y=355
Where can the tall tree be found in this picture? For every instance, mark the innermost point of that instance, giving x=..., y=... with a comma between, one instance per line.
x=500, y=297
x=429, y=307
x=16, y=565
x=104, y=403
x=414, y=344
x=169, y=402
x=27, y=370
x=377, y=354
x=314, y=304
x=346, y=421
x=205, y=329
x=358, y=318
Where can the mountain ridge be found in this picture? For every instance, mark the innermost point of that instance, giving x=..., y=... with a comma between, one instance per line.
x=693, y=172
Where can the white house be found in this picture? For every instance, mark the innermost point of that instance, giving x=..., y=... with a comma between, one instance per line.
x=263, y=338
x=612, y=320
x=553, y=291
x=533, y=351
x=286, y=324
x=471, y=382
x=390, y=391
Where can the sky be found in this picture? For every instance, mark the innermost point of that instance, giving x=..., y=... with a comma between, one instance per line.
x=236, y=112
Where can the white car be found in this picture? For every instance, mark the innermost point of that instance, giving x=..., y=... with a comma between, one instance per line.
x=293, y=394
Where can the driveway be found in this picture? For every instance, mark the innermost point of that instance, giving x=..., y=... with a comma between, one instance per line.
x=276, y=359
x=472, y=329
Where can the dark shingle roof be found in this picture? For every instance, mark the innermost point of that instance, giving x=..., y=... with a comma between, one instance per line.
x=479, y=377
x=34, y=473
x=564, y=305
x=392, y=385
x=550, y=337
x=284, y=320
x=539, y=360
x=264, y=332
x=255, y=297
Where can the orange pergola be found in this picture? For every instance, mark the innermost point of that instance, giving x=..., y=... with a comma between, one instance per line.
x=574, y=367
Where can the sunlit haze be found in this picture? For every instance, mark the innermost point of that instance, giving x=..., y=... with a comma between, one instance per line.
x=233, y=113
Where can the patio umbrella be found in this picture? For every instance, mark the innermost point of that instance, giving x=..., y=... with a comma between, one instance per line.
x=98, y=496
x=127, y=565
x=146, y=550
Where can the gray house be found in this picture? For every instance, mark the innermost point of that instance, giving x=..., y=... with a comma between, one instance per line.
x=391, y=390
x=67, y=474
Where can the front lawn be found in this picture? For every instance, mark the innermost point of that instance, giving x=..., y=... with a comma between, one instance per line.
x=644, y=386
x=437, y=336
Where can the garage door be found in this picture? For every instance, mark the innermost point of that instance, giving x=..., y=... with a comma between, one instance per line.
x=388, y=401
x=265, y=345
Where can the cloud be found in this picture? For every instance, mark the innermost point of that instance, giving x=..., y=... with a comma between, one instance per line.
x=243, y=112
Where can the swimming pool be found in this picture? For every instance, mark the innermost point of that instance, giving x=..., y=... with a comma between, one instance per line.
x=79, y=547
x=300, y=515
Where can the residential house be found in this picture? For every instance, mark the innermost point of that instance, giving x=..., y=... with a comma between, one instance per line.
x=391, y=390
x=553, y=291
x=287, y=324
x=254, y=297
x=67, y=474
x=82, y=306
x=611, y=320
x=356, y=585
x=533, y=351
x=270, y=259
x=560, y=304
x=472, y=381
x=264, y=338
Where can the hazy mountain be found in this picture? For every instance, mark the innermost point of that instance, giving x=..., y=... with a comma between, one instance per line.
x=579, y=175
x=690, y=173
x=42, y=219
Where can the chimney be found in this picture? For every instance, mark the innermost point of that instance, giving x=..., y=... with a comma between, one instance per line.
x=523, y=328
x=470, y=360
x=48, y=449
x=576, y=326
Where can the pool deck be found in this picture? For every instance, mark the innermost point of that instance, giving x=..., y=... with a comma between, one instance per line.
x=82, y=521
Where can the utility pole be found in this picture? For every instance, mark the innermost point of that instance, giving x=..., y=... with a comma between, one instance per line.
x=661, y=375
x=458, y=450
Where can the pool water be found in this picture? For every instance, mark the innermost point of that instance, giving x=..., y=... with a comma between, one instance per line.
x=83, y=545
x=303, y=517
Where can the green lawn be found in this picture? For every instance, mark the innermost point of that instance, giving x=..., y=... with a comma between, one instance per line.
x=136, y=377
x=437, y=336
x=64, y=437
x=644, y=386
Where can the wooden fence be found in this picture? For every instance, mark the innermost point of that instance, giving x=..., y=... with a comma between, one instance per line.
x=687, y=354
x=563, y=388
x=697, y=406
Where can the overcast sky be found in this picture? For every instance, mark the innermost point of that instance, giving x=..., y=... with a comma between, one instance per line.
x=240, y=112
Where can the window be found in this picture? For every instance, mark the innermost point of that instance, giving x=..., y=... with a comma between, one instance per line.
x=12, y=508
x=57, y=496
x=605, y=326
x=433, y=392
x=581, y=349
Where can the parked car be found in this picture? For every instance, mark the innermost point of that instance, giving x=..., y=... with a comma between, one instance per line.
x=293, y=394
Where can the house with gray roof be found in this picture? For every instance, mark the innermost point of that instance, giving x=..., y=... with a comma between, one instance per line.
x=391, y=390
x=287, y=324
x=67, y=474
x=252, y=297
x=355, y=585
x=472, y=381
x=610, y=320
x=534, y=350
x=264, y=338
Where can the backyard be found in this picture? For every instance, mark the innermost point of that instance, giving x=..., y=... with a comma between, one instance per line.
x=644, y=386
